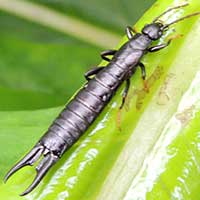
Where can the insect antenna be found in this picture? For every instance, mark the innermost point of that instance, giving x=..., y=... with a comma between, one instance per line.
x=181, y=19
x=170, y=9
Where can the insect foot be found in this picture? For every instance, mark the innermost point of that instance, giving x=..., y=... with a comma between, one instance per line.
x=42, y=168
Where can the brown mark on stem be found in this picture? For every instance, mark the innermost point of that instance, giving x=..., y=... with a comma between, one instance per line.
x=142, y=92
x=163, y=97
x=186, y=115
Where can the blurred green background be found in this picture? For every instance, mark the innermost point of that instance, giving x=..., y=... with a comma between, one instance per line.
x=41, y=67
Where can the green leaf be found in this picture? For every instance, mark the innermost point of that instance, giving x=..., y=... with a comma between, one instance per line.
x=154, y=154
x=41, y=66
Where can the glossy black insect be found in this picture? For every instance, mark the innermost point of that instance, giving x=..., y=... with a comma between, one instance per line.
x=83, y=109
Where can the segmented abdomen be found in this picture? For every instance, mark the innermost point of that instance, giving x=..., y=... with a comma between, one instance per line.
x=83, y=109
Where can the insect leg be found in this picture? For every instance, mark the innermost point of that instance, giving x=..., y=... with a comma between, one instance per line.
x=129, y=32
x=106, y=53
x=162, y=46
x=124, y=96
x=125, y=93
x=126, y=89
x=142, y=67
x=159, y=47
x=92, y=72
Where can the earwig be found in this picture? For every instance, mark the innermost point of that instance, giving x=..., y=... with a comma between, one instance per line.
x=88, y=103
